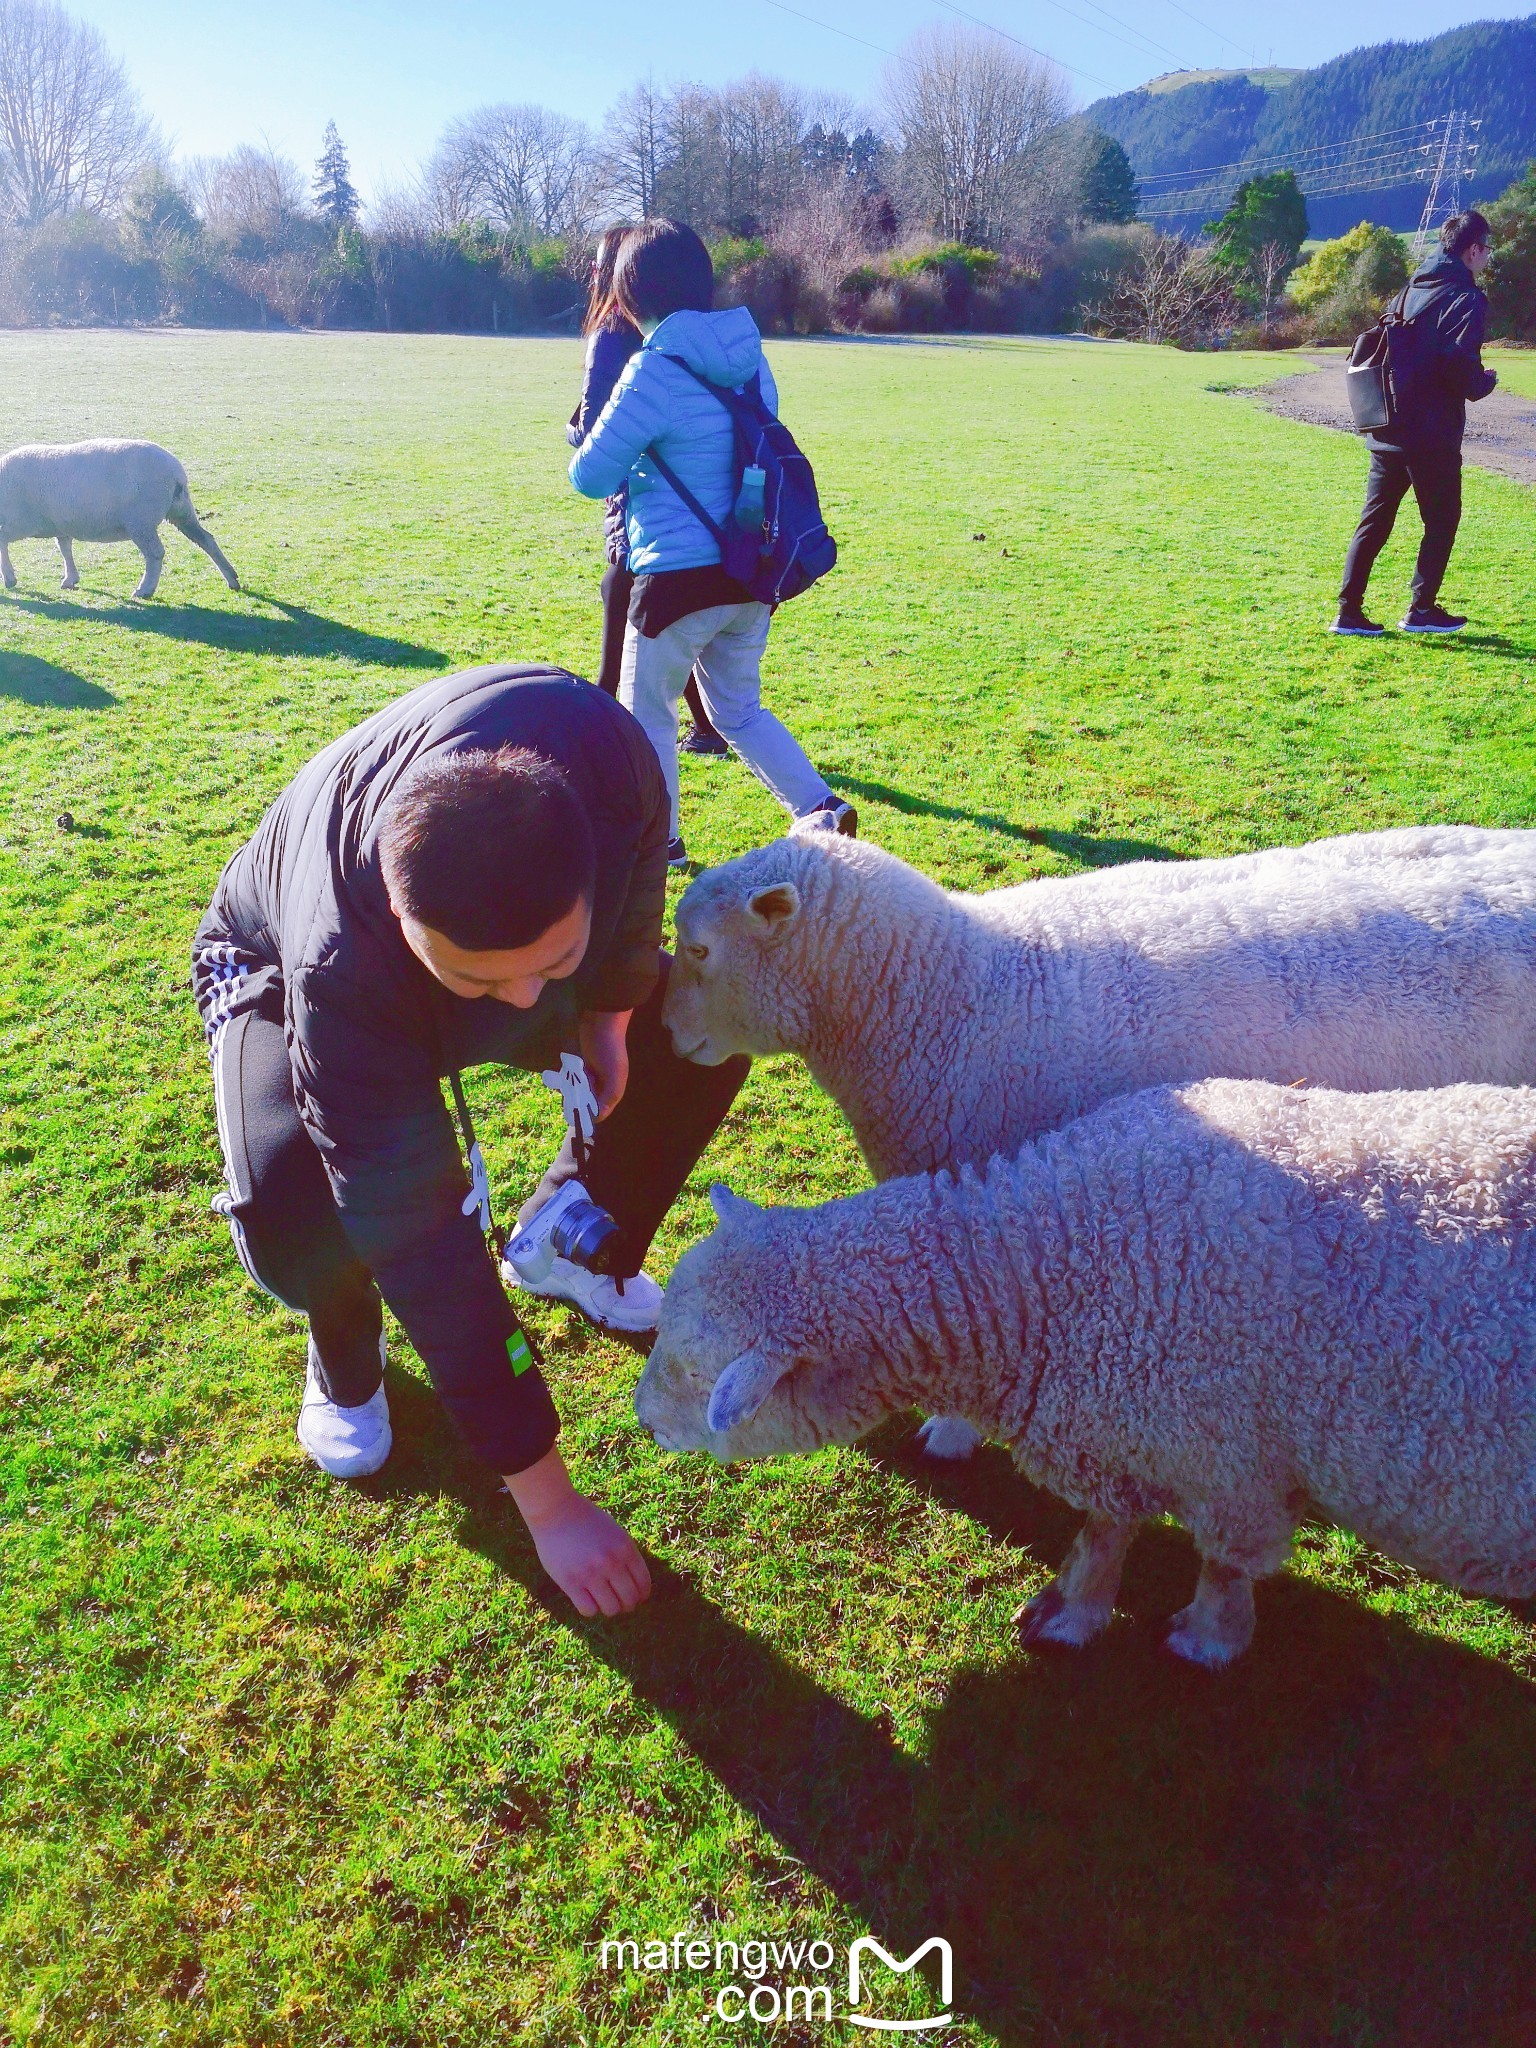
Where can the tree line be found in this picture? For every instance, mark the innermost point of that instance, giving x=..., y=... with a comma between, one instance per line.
x=951, y=198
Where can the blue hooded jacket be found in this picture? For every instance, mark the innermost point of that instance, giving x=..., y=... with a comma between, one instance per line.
x=656, y=404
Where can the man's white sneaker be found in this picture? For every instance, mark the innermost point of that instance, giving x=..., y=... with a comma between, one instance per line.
x=597, y=1296
x=349, y=1443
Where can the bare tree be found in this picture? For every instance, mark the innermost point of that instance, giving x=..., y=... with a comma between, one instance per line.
x=519, y=167
x=720, y=158
x=1273, y=262
x=979, y=126
x=1171, y=293
x=250, y=194
x=72, y=133
x=760, y=170
x=633, y=150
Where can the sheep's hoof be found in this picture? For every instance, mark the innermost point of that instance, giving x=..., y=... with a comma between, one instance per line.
x=1198, y=1646
x=1051, y=1618
x=948, y=1437
x=233, y=582
x=70, y=583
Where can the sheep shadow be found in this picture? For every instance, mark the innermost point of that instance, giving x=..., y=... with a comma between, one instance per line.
x=31, y=680
x=1333, y=1842
x=1075, y=846
x=296, y=631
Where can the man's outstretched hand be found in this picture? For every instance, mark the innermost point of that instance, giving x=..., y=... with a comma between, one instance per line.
x=594, y=1562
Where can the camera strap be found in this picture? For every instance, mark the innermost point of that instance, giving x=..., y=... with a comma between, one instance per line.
x=479, y=1196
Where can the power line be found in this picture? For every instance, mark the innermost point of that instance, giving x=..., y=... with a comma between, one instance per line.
x=1077, y=69
x=846, y=34
x=1308, y=175
x=1284, y=156
x=1241, y=48
x=1161, y=49
x=886, y=51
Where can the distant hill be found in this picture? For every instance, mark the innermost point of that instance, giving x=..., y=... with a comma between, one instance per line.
x=1224, y=121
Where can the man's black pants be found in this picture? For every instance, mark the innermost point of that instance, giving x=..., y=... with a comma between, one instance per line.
x=289, y=1234
x=1434, y=475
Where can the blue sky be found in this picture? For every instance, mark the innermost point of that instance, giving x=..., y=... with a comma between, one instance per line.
x=391, y=73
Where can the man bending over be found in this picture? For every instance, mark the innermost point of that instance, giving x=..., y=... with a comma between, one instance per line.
x=475, y=874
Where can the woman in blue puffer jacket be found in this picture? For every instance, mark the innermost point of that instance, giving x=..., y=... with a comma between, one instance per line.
x=611, y=341
x=685, y=613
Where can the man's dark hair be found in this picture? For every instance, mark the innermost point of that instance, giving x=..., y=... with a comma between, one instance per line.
x=488, y=849
x=1463, y=231
x=663, y=268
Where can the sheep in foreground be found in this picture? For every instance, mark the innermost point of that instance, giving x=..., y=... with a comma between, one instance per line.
x=1235, y=1303
x=951, y=1027
x=100, y=490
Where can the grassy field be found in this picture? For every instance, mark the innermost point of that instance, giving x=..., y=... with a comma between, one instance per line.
x=283, y=1761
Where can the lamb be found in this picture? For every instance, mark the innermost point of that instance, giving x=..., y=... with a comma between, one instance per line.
x=1230, y=1302
x=952, y=1027
x=100, y=490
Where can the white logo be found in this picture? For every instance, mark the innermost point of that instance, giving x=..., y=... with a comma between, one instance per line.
x=946, y=1983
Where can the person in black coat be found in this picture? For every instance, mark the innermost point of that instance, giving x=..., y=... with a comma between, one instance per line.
x=475, y=874
x=611, y=341
x=1422, y=452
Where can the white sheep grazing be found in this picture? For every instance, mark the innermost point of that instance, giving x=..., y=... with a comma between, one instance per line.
x=951, y=1027
x=1235, y=1303
x=100, y=490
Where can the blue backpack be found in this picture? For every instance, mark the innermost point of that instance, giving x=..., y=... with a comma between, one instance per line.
x=790, y=548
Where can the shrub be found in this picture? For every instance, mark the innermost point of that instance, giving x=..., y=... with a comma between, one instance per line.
x=1366, y=259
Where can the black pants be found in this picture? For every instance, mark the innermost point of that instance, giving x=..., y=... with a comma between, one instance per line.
x=289, y=1234
x=1434, y=474
x=617, y=584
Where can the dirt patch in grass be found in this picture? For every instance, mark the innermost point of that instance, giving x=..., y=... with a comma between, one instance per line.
x=1501, y=429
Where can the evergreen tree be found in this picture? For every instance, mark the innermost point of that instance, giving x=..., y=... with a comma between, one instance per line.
x=1107, y=184
x=1512, y=280
x=335, y=194
x=1266, y=213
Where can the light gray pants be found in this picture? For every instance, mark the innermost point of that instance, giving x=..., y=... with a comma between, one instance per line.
x=723, y=647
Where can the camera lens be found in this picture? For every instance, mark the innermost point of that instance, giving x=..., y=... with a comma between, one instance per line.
x=587, y=1236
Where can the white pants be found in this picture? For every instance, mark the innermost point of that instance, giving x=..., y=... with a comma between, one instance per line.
x=724, y=648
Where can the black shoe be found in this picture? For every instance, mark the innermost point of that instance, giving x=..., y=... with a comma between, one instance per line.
x=845, y=819
x=695, y=741
x=677, y=854
x=1431, y=618
x=1352, y=619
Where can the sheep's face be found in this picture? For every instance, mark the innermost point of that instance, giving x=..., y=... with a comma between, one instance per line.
x=736, y=984
x=746, y=1363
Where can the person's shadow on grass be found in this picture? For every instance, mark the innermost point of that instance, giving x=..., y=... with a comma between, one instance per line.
x=1333, y=1842
x=1077, y=846
x=31, y=680
x=283, y=629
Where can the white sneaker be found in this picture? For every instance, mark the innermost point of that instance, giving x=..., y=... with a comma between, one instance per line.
x=349, y=1443
x=635, y=1311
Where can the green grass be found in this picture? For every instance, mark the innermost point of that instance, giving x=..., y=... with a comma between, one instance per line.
x=288, y=1762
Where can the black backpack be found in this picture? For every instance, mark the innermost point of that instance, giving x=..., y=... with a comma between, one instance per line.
x=789, y=548
x=1387, y=366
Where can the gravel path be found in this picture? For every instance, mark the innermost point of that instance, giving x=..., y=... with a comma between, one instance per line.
x=1501, y=429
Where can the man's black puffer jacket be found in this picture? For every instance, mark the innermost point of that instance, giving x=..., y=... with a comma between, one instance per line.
x=303, y=908
x=1448, y=308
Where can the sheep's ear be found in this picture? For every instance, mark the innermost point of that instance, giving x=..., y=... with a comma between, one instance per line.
x=742, y=1389
x=774, y=908
x=730, y=1207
